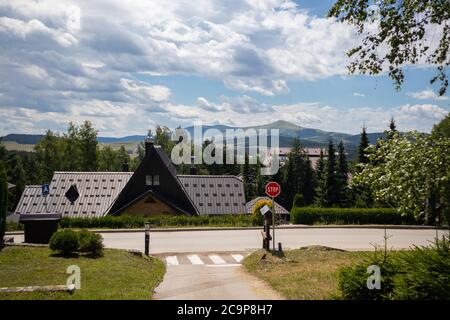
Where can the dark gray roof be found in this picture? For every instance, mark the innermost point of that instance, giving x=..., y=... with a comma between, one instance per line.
x=251, y=205
x=215, y=194
x=97, y=192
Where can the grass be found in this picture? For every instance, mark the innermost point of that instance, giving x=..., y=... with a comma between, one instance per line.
x=302, y=274
x=116, y=275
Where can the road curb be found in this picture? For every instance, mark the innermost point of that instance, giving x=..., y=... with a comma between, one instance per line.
x=398, y=227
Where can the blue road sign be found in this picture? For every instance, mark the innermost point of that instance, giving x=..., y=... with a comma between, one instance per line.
x=45, y=190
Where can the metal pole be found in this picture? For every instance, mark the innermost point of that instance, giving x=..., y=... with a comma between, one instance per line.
x=273, y=224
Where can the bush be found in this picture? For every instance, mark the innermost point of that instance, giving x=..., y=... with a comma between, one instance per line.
x=311, y=215
x=90, y=242
x=419, y=274
x=257, y=217
x=64, y=241
x=299, y=201
x=130, y=222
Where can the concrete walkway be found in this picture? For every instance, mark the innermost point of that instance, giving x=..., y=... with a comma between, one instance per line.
x=210, y=276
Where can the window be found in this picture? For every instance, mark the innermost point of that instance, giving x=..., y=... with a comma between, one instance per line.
x=152, y=180
x=203, y=185
x=156, y=180
x=148, y=180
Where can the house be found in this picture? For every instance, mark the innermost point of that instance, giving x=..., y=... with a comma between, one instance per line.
x=153, y=189
x=313, y=155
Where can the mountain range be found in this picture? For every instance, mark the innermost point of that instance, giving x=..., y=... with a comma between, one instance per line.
x=309, y=137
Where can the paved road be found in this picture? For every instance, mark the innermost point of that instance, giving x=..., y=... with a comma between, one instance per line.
x=211, y=276
x=249, y=240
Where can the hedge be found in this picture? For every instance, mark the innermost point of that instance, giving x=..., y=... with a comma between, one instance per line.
x=312, y=215
x=130, y=222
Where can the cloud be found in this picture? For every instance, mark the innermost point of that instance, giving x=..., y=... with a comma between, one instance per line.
x=357, y=94
x=427, y=94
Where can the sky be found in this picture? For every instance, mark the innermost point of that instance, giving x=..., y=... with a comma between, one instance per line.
x=128, y=66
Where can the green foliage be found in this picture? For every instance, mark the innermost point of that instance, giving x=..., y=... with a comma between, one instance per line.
x=402, y=27
x=298, y=201
x=300, y=176
x=257, y=217
x=90, y=242
x=64, y=241
x=130, y=222
x=312, y=215
x=418, y=274
x=342, y=176
x=363, y=145
x=442, y=129
x=331, y=178
x=353, y=279
x=412, y=173
x=3, y=200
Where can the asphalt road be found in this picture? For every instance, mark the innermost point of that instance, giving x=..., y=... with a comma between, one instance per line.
x=249, y=240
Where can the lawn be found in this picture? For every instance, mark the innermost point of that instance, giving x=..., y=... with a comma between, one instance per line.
x=302, y=274
x=116, y=275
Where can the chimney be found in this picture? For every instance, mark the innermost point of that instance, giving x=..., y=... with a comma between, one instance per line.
x=149, y=142
x=193, y=170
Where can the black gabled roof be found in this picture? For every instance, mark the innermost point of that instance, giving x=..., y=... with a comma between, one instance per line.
x=155, y=162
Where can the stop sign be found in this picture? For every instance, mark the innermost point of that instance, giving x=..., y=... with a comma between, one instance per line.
x=273, y=189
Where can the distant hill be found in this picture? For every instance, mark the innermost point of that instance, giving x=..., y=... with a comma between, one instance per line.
x=23, y=138
x=309, y=137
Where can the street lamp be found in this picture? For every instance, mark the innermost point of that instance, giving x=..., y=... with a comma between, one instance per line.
x=147, y=238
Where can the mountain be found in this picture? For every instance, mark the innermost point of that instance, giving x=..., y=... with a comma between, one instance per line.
x=23, y=138
x=288, y=131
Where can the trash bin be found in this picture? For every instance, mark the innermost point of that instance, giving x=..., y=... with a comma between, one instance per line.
x=39, y=227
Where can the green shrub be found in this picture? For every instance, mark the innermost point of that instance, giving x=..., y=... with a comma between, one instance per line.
x=90, y=242
x=418, y=274
x=257, y=217
x=425, y=273
x=353, y=279
x=312, y=215
x=298, y=201
x=64, y=241
x=132, y=222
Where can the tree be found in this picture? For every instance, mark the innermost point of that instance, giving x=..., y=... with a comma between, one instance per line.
x=106, y=159
x=392, y=128
x=16, y=174
x=442, y=129
x=411, y=172
x=402, y=29
x=331, y=180
x=321, y=181
x=88, y=147
x=363, y=144
x=48, y=152
x=342, y=176
x=3, y=200
x=71, y=149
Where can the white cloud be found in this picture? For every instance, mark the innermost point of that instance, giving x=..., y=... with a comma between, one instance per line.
x=357, y=94
x=141, y=90
x=427, y=94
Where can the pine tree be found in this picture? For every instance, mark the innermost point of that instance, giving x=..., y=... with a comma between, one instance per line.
x=249, y=180
x=319, y=199
x=363, y=144
x=3, y=200
x=392, y=128
x=342, y=174
x=332, y=181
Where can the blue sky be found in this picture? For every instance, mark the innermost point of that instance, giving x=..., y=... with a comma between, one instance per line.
x=128, y=67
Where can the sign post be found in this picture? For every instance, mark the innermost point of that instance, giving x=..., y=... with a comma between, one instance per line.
x=273, y=190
